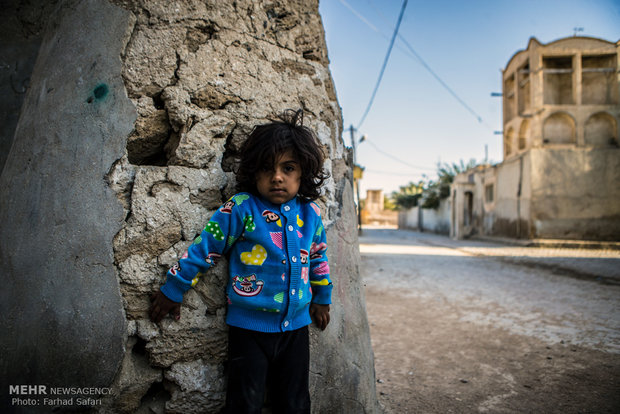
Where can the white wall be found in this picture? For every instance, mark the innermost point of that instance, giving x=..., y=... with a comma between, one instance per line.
x=408, y=219
x=433, y=220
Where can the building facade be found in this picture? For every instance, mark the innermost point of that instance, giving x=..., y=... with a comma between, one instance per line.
x=374, y=211
x=560, y=174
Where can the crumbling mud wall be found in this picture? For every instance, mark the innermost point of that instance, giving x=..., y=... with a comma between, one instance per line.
x=187, y=81
x=201, y=75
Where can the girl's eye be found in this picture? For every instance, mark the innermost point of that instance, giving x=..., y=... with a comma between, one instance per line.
x=289, y=168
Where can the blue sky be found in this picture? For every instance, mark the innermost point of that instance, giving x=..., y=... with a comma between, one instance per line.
x=415, y=119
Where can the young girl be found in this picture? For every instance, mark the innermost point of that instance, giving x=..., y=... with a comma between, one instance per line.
x=279, y=280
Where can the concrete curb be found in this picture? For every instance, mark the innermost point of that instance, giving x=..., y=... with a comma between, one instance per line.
x=553, y=243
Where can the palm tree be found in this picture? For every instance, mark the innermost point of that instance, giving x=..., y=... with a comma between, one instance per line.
x=437, y=190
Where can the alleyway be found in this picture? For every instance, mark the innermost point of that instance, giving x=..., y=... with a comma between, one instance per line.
x=470, y=326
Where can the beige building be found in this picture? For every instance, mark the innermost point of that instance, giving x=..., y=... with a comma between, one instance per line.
x=374, y=201
x=374, y=210
x=560, y=176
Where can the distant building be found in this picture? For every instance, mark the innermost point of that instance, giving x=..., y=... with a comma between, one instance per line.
x=560, y=176
x=374, y=210
x=374, y=201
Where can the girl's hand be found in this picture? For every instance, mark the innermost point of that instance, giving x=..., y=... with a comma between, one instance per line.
x=162, y=306
x=320, y=315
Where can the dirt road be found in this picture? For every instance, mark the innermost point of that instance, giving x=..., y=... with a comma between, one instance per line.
x=468, y=327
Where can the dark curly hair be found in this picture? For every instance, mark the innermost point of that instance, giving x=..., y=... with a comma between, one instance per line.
x=266, y=142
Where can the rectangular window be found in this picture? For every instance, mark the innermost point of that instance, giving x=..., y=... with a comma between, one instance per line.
x=509, y=98
x=488, y=193
x=524, y=89
x=558, y=80
x=598, y=80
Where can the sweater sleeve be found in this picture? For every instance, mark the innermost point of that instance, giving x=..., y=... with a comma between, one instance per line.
x=319, y=268
x=224, y=228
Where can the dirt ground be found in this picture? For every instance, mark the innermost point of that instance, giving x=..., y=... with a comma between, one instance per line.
x=427, y=361
x=430, y=359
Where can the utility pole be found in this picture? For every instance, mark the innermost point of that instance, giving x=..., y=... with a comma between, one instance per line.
x=356, y=183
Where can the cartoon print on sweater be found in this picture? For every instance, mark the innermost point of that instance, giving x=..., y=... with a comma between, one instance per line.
x=240, y=198
x=316, y=209
x=321, y=269
x=214, y=229
x=315, y=250
x=174, y=269
x=303, y=256
x=323, y=282
x=276, y=238
x=248, y=221
x=228, y=206
x=256, y=257
x=247, y=286
x=300, y=222
x=272, y=217
x=212, y=258
x=319, y=230
x=279, y=297
x=196, y=279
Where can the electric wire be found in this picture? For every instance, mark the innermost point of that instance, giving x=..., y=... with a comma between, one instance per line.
x=359, y=16
x=385, y=61
x=391, y=173
x=444, y=84
x=411, y=52
x=417, y=167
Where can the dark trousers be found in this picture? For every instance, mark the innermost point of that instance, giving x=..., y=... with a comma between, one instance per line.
x=278, y=362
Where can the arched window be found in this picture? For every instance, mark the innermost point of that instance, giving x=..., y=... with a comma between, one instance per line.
x=600, y=130
x=524, y=130
x=508, y=142
x=559, y=128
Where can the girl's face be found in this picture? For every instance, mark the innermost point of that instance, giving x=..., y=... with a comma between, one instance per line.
x=280, y=183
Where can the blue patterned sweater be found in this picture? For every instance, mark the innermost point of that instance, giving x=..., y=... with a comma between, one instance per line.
x=277, y=262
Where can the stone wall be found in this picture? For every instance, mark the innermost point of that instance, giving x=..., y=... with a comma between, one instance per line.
x=167, y=93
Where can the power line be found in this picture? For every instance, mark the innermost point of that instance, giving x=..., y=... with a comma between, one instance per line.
x=412, y=53
x=359, y=16
x=429, y=69
x=444, y=84
x=394, y=174
x=395, y=158
x=385, y=61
